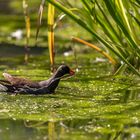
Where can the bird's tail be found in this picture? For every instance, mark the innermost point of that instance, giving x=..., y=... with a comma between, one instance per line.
x=3, y=88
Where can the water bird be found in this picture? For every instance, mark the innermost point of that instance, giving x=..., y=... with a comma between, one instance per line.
x=19, y=85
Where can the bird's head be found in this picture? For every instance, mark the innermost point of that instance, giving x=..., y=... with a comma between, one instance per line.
x=64, y=69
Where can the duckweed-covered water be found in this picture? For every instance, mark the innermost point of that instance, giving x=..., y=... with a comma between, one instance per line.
x=93, y=104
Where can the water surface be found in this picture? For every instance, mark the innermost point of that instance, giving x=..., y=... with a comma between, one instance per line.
x=93, y=104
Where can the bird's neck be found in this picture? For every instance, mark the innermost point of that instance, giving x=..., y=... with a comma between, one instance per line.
x=57, y=75
x=54, y=79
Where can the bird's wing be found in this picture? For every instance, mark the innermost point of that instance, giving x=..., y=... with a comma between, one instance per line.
x=4, y=82
x=36, y=91
x=16, y=80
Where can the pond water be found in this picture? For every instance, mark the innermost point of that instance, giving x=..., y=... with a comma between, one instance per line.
x=93, y=104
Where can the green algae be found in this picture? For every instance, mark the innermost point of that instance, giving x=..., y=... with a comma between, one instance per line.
x=93, y=104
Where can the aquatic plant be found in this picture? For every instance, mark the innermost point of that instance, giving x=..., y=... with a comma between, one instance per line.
x=117, y=23
x=51, y=33
x=51, y=14
x=27, y=22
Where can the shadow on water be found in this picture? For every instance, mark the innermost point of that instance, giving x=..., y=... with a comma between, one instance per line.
x=10, y=50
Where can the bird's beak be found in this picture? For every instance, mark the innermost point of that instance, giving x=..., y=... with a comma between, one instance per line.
x=72, y=72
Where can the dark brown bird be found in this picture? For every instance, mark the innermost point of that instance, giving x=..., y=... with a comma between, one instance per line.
x=21, y=85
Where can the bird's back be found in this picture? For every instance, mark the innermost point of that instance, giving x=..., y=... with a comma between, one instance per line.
x=19, y=82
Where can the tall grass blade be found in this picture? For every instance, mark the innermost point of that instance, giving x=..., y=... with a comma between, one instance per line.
x=109, y=25
x=27, y=21
x=40, y=12
x=121, y=9
x=136, y=19
x=118, y=19
x=60, y=17
x=51, y=11
x=113, y=61
x=138, y=2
